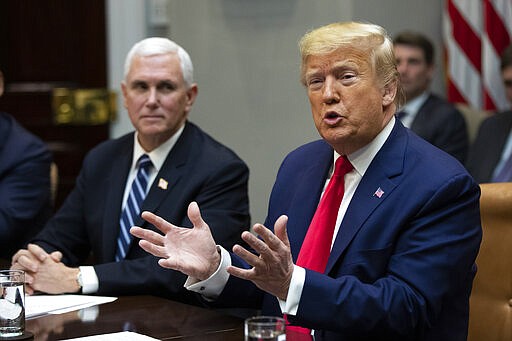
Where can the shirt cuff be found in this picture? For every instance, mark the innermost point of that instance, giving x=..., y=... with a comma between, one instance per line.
x=90, y=281
x=291, y=305
x=212, y=287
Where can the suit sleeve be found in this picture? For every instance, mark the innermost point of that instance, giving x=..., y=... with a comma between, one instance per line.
x=223, y=201
x=24, y=195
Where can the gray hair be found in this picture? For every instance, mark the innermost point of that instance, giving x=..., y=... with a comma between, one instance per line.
x=155, y=46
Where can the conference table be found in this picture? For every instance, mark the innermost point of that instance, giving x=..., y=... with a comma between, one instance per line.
x=149, y=315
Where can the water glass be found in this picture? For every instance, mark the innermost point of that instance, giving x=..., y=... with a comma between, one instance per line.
x=265, y=328
x=12, y=303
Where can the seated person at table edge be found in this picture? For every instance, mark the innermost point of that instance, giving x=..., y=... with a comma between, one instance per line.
x=387, y=251
x=25, y=198
x=428, y=115
x=184, y=164
x=490, y=155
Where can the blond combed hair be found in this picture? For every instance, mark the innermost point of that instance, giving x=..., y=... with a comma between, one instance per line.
x=368, y=38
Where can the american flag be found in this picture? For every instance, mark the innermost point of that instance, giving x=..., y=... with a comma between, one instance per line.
x=475, y=33
x=379, y=192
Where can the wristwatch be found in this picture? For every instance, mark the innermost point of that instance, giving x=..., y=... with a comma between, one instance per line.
x=79, y=279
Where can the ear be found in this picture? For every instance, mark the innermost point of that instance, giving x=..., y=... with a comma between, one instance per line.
x=191, y=96
x=388, y=94
x=124, y=89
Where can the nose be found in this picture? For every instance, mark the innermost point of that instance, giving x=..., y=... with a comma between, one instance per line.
x=330, y=92
x=152, y=100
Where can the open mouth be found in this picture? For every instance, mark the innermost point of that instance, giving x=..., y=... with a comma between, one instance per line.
x=331, y=115
x=332, y=118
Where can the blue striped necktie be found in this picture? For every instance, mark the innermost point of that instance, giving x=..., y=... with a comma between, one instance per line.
x=132, y=207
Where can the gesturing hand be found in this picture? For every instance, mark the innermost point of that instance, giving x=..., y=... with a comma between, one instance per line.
x=191, y=251
x=272, y=270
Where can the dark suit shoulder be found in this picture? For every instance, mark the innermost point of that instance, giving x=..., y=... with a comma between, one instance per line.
x=207, y=143
x=436, y=112
x=485, y=152
x=501, y=119
x=20, y=144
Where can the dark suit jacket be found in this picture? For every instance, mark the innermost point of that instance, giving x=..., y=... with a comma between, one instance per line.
x=402, y=265
x=198, y=168
x=485, y=152
x=25, y=200
x=440, y=123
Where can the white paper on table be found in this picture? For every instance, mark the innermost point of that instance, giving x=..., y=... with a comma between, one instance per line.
x=124, y=336
x=39, y=305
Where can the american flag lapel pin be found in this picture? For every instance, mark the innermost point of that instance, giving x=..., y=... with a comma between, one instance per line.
x=378, y=193
x=162, y=183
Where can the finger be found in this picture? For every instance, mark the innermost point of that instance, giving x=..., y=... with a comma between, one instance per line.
x=18, y=266
x=17, y=255
x=270, y=239
x=56, y=256
x=148, y=235
x=29, y=278
x=255, y=243
x=37, y=251
x=239, y=272
x=155, y=250
x=168, y=263
x=247, y=256
x=160, y=223
x=27, y=262
x=194, y=214
x=28, y=290
x=280, y=229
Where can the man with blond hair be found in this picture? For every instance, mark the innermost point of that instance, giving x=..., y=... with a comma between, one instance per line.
x=371, y=233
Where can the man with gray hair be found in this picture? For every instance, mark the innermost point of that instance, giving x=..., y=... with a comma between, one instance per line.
x=162, y=166
x=371, y=232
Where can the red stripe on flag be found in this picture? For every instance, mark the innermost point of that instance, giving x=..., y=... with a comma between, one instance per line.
x=465, y=37
x=453, y=94
x=495, y=28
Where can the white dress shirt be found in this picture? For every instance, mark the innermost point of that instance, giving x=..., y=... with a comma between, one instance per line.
x=157, y=156
x=411, y=108
x=360, y=160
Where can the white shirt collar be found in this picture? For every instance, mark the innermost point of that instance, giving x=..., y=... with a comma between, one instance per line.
x=157, y=155
x=362, y=158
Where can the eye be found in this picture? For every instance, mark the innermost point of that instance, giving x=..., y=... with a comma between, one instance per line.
x=315, y=83
x=347, y=77
x=166, y=86
x=139, y=86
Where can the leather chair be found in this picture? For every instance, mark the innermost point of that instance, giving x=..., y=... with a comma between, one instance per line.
x=491, y=299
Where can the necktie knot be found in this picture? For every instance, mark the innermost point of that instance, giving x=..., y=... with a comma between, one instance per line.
x=144, y=162
x=342, y=166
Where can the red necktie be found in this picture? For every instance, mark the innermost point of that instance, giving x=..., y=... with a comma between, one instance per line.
x=316, y=247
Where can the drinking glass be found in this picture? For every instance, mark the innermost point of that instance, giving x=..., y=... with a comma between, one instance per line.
x=264, y=328
x=12, y=303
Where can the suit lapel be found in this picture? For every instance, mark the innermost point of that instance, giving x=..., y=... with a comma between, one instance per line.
x=116, y=182
x=307, y=197
x=171, y=172
x=387, y=164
